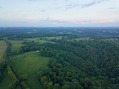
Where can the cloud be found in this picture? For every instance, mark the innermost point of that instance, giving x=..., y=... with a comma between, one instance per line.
x=88, y=4
x=43, y=10
x=91, y=3
x=53, y=21
x=70, y=6
x=100, y=22
x=112, y=8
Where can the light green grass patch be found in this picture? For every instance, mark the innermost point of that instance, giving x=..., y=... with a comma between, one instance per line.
x=51, y=38
x=16, y=45
x=29, y=65
x=3, y=48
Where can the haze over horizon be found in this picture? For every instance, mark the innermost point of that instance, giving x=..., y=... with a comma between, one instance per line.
x=55, y=13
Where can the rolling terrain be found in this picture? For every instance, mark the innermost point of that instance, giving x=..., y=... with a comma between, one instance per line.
x=59, y=58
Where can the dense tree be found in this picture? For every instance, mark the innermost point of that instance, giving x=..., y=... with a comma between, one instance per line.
x=74, y=64
x=91, y=64
x=2, y=67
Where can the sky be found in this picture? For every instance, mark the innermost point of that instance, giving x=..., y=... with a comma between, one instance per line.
x=59, y=13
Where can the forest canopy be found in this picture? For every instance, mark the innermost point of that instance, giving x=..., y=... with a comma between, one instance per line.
x=85, y=64
x=60, y=58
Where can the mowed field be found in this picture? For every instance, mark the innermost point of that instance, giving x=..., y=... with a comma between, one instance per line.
x=28, y=65
x=2, y=50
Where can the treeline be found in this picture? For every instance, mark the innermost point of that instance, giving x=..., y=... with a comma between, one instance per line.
x=29, y=46
x=16, y=80
x=32, y=32
x=92, y=64
x=21, y=33
x=85, y=64
x=2, y=67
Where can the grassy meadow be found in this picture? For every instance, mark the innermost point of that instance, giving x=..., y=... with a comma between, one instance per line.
x=28, y=65
x=16, y=45
x=2, y=50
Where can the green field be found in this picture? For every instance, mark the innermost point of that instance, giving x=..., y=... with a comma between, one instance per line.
x=2, y=50
x=28, y=65
x=16, y=45
x=51, y=38
x=43, y=39
x=38, y=40
x=6, y=81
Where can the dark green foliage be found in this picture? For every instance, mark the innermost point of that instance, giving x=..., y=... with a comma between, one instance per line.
x=91, y=64
x=2, y=67
x=24, y=85
x=29, y=46
x=75, y=63
x=13, y=78
x=1, y=71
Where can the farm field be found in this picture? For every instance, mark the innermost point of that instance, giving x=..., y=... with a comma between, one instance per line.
x=31, y=63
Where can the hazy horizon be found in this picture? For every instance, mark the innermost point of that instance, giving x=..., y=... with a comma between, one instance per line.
x=59, y=13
